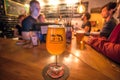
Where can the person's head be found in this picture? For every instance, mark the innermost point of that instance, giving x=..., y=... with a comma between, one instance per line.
x=86, y=16
x=21, y=18
x=108, y=9
x=34, y=8
x=41, y=18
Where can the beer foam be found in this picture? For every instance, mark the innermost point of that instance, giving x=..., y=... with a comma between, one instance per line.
x=80, y=31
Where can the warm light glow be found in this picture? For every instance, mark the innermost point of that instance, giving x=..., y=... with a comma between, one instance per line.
x=68, y=59
x=81, y=8
x=77, y=54
x=26, y=8
x=70, y=55
x=42, y=3
x=9, y=19
x=76, y=60
x=52, y=58
x=71, y=1
x=26, y=5
x=53, y=2
x=71, y=58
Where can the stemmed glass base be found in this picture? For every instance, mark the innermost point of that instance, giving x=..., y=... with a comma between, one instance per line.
x=55, y=71
x=61, y=73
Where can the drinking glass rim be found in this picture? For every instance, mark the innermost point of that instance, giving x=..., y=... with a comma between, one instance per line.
x=80, y=31
x=56, y=26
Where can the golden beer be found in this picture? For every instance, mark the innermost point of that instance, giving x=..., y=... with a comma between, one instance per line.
x=56, y=39
x=79, y=36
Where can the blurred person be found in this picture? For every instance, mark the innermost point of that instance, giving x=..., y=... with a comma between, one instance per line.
x=107, y=13
x=41, y=18
x=86, y=26
x=76, y=27
x=109, y=47
x=61, y=20
x=18, y=27
x=29, y=21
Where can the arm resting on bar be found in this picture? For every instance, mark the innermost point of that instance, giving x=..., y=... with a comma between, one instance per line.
x=109, y=49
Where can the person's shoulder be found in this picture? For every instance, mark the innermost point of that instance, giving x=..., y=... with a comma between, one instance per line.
x=112, y=21
x=88, y=23
x=118, y=24
x=27, y=19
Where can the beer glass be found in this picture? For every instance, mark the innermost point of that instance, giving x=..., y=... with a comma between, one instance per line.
x=55, y=44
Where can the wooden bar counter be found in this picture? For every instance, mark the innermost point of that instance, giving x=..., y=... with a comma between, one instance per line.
x=18, y=63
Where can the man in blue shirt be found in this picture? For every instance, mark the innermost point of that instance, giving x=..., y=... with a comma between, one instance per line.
x=28, y=22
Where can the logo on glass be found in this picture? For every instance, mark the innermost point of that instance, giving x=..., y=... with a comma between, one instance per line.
x=55, y=38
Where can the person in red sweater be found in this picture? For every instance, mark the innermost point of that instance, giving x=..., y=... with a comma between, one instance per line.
x=109, y=47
